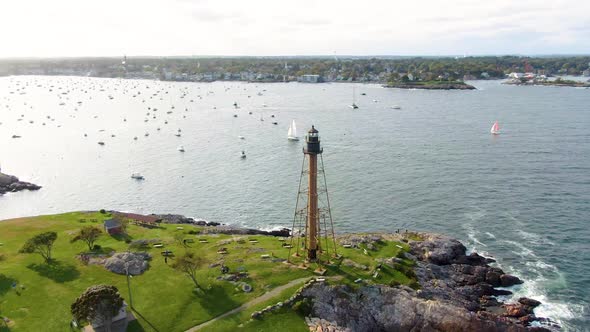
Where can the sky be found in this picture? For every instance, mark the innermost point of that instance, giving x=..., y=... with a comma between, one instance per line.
x=49, y=28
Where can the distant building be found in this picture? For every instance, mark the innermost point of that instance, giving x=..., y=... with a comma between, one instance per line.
x=586, y=72
x=113, y=226
x=310, y=78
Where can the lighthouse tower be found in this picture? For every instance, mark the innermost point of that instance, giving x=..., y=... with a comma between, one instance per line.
x=313, y=204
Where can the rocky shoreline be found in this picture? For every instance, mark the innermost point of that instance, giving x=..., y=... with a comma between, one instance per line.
x=457, y=293
x=10, y=183
x=219, y=228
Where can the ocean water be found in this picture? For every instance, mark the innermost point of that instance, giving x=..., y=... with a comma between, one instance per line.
x=522, y=197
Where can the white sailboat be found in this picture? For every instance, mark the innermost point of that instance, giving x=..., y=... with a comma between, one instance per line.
x=495, y=128
x=292, y=133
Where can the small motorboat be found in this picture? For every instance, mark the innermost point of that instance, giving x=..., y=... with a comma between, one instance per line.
x=180, y=148
x=101, y=143
x=395, y=107
x=137, y=176
x=241, y=137
x=243, y=154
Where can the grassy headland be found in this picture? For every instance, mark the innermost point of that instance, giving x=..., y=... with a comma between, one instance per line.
x=163, y=297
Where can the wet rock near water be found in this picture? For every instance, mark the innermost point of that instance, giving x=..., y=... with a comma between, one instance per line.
x=10, y=183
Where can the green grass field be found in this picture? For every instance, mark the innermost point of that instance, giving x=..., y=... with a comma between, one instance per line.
x=164, y=297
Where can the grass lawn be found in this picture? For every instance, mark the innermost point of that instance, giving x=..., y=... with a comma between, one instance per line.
x=163, y=297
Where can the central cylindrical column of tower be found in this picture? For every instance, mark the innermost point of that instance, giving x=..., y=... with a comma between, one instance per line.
x=312, y=149
x=312, y=208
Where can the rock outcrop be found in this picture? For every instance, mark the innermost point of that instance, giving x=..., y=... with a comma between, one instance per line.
x=382, y=308
x=457, y=293
x=136, y=262
x=10, y=183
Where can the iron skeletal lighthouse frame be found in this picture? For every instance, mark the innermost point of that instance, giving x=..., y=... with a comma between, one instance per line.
x=313, y=205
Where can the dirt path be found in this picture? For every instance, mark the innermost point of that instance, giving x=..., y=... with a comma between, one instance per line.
x=266, y=296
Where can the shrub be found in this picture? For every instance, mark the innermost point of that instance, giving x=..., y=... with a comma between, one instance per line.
x=102, y=211
x=414, y=285
x=139, y=244
x=303, y=307
x=394, y=283
x=194, y=231
x=97, y=247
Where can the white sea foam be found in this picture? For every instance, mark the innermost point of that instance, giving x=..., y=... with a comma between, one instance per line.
x=535, y=238
x=542, y=276
x=490, y=235
x=522, y=251
x=550, y=308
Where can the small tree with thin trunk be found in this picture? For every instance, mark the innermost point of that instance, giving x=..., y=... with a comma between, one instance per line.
x=89, y=235
x=179, y=237
x=41, y=244
x=98, y=305
x=189, y=263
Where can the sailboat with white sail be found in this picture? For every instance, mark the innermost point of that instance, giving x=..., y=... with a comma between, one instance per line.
x=495, y=130
x=292, y=133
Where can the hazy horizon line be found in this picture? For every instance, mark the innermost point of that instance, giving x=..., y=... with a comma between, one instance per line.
x=347, y=56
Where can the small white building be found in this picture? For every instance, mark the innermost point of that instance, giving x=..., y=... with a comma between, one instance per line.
x=310, y=78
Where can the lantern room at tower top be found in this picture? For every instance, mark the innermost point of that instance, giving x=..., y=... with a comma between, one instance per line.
x=312, y=142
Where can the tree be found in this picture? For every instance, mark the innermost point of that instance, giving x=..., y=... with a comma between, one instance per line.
x=41, y=244
x=179, y=237
x=189, y=263
x=89, y=235
x=98, y=304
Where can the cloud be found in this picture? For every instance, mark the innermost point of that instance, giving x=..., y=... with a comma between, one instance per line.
x=270, y=27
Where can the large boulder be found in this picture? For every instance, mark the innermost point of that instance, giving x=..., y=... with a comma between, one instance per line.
x=529, y=302
x=507, y=280
x=439, y=250
x=135, y=262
